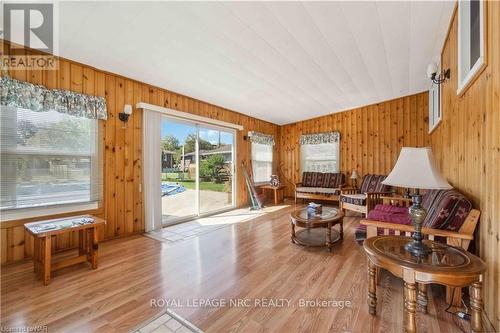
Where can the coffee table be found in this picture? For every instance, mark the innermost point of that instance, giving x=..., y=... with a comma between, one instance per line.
x=317, y=230
x=446, y=265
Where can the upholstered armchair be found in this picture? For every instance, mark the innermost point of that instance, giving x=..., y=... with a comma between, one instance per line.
x=365, y=198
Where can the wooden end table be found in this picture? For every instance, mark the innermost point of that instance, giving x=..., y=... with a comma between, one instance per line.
x=278, y=192
x=447, y=265
x=87, y=237
x=311, y=233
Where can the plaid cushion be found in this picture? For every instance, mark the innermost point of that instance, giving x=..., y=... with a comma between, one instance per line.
x=355, y=199
x=373, y=183
x=320, y=179
x=446, y=209
x=309, y=179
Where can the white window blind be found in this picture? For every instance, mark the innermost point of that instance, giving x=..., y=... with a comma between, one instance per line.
x=321, y=157
x=262, y=162
x=48, y=158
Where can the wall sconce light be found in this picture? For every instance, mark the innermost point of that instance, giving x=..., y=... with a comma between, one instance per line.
x=432, y=73
x=125, y=114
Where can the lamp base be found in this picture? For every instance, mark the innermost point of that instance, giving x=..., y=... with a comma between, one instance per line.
x=417, y=248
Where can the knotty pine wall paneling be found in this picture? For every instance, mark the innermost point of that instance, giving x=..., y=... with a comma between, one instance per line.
x=371, y=136
x=122, y=204
x=467, y=146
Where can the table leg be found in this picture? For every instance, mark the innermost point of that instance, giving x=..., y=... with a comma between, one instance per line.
x=341, y=224
x=276, y=197
x=329, y=237
x=292, y=227
x=36, y=254
x=476, y=304
x=82, y=243
x=93, y=240
x=422, y=297
x=372, y=288
x=47, y=259
x=410, y=296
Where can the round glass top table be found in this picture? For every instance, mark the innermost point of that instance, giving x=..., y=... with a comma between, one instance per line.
x=317, y=230
x=447, y=265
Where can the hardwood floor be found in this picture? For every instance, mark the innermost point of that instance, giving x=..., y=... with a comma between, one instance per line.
x=251, y=260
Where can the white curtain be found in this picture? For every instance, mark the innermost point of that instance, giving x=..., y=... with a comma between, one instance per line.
x=152, y=170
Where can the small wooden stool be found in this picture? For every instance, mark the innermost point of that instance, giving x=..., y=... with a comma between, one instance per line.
x=43, y=231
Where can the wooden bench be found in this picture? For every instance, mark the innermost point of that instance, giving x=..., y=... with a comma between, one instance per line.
x=43, y=231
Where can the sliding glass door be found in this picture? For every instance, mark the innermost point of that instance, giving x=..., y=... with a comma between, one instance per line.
x=197, y=175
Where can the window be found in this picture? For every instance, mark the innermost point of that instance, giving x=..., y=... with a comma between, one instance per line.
x=47, y=159
x=262, y=162
x=434, y=106
x=320, y=157
x=470, y=41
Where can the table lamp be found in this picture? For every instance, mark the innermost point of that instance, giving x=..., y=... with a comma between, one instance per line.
x=415, y=168
x=354, y=178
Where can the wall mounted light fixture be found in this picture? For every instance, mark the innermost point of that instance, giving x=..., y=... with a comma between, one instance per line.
x=437, y=78
x=125, y=114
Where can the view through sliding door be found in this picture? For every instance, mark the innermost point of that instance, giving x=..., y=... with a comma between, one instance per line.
x=197, y=169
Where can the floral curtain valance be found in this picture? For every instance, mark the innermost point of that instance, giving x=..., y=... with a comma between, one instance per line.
x=317, y=138
x=37, y=98
x=261, y=138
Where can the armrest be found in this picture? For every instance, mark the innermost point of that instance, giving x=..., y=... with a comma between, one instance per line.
x=348, y=190
x=410, y=228
x=377, y=193
x=396, y=201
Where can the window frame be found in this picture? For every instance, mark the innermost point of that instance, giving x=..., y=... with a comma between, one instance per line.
x=435, y=120
x=465, y=80
x=96, y=162
x=263, y=182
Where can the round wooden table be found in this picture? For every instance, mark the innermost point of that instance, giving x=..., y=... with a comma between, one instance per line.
x=317, y=230
x=447, y=265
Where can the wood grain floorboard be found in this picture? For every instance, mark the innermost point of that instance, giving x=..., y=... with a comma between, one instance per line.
x=252, y=260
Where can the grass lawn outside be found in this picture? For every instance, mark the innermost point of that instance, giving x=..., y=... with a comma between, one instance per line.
x=191, y=184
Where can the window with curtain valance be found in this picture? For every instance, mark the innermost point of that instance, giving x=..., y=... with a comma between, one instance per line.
x=262, y=156
x=320, y=152
x=50, y=153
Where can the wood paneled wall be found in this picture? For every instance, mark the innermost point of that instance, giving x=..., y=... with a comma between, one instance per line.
x=122, y=206
x=371, y=136
x=467, y=146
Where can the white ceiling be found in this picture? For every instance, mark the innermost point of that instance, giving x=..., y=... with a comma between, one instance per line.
x=277, y=61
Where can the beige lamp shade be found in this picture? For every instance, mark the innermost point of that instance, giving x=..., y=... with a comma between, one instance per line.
x=415, y=168
x=354, y=174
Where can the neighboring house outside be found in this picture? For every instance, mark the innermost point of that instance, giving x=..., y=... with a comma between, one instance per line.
x=224, y=150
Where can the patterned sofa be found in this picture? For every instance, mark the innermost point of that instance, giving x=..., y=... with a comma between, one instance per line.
x=319, y=186
x=446, y=210
x=368, y=195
